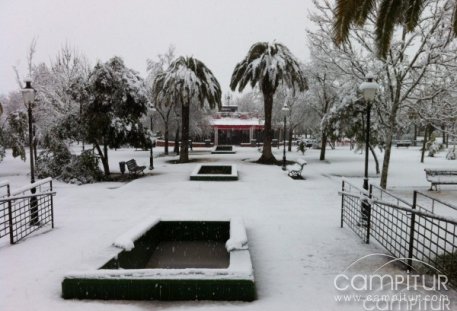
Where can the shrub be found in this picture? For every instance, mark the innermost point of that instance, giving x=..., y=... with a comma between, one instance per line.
x=301, y=147
x=447, y=264
x=50, y=162
x=76, y=169
x=451, y=154
x=433, y=149
x=82, y=169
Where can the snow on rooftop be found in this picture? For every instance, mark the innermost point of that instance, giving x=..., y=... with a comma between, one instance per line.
x=237, y=121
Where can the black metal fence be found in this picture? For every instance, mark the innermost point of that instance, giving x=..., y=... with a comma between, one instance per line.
x=4, y=219
x=412, y=232
x=351, y=210
x=26, y=210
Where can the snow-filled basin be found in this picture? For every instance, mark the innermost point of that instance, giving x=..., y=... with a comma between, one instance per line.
x=223, y=149
x=172, y=260
x=215, y=172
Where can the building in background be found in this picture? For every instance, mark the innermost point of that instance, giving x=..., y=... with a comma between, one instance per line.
x=231, y=127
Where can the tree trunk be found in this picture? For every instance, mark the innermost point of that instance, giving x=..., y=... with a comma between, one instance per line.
x=176, y=148
x=386, y=161
x=291, y=133
x=184, y=155
x=443, y=128
x=376, y=161
x=389, y=136
x=424, y=143
x=281, y=135
x=323, y=145
x=280, y=132
x=166, y=137
x=106, y=163
x=415, y=135
x=103, y=158
x=267, y=155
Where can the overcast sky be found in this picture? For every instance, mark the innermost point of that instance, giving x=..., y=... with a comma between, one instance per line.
x=218, y=32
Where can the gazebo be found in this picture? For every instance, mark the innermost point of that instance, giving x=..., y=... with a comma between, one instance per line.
x=236, y=129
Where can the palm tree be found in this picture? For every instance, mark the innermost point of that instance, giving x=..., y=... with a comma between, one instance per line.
x=389, y=14
x=268, y=65
x=186, y=81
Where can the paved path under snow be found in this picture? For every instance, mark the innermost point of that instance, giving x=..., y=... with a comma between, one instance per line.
x=296, y=244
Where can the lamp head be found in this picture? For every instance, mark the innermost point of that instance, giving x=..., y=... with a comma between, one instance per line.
x=369, y=77
x=369, y=87
x=28, y=93
x=28, y=83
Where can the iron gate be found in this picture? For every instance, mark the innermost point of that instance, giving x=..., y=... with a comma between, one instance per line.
x=26, y=210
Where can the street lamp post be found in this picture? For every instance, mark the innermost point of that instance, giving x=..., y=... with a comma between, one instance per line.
x=285, y=109
x=368, y=88
x=151, y=155
x=28, y=94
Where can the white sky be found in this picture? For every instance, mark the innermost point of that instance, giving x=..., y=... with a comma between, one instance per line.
x=218, y=32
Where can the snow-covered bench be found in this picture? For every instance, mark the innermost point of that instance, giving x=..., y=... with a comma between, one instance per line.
x=296, y=169
x=404, y=143
x=134, y=168
x=441, y=177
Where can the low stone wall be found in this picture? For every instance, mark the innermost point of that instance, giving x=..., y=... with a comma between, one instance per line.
x=161, y=143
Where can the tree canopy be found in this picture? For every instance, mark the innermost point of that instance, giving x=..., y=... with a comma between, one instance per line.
x=187, y=81
x=268, y=65
x=388, y=14
x=117, y=101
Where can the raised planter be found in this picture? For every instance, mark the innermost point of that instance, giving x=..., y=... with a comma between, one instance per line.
x=214, y=172
x=172, y=260
x=223, y=149
x=161, y=143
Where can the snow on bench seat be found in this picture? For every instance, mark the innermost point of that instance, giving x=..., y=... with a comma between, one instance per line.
x=404, y=143
x=297, y=168
x=441, y=177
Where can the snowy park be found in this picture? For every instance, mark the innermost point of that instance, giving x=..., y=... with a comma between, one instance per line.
x=248, y=156
x=296, y=243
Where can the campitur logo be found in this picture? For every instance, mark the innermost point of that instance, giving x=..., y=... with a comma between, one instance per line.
x=386, y=290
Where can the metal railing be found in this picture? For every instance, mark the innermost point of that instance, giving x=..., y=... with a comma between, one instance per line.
x=353, y=214
x=434, y=205
x=26, y=210
x=4, y=218
x=411, y=232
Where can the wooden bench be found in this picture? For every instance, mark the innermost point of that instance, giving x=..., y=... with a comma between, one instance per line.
x=404, y=143
x=296, y=169
x=134, y=168
x=441, y=177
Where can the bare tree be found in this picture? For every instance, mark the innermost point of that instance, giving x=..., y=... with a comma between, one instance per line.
x=409, y=60
x=295, y=117
x=323, y=91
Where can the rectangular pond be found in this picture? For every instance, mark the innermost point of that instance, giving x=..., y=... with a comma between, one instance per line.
x=172, y=260
x=215, y=172
x=223, y=149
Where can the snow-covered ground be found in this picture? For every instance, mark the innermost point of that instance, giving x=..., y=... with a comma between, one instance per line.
x=296, y=244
